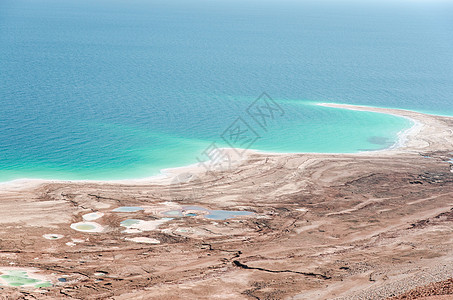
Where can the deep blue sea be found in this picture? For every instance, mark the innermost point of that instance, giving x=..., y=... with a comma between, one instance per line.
x=121, y=89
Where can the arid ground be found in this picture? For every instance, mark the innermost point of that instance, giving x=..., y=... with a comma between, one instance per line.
x=371, y=225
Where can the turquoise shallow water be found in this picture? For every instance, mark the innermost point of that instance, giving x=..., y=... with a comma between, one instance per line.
x=114, y=90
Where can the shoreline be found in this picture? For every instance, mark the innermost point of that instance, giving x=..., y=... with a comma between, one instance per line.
x=403, y=135
x=402, y=144
x=349, y=225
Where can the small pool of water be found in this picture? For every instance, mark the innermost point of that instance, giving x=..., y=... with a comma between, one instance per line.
x=87, y=227
x=173, y=213
x=53, y=236
x=128, y=209
x=191, y=211
x=129, y=222
x=226, y=214
x=22, y=278
x=92, y=216
x=218, y=214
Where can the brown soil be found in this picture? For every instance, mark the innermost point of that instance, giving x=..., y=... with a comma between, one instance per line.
x=433, y=291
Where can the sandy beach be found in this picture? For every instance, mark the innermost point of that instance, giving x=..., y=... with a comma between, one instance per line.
x=371, y=225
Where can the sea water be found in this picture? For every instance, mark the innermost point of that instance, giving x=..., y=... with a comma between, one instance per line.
x=122, y=89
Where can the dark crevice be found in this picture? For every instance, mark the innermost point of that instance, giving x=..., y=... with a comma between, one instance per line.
x=104, y=198
x=244, y=266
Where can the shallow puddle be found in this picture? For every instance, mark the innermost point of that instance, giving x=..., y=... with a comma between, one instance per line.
x=128, y=209
x=217, y=214
x=226, y=214
x=92, y=216
x=18, y=277
x=87, y=227
x=129, y=222
x=53, y=236
x=173, y=213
